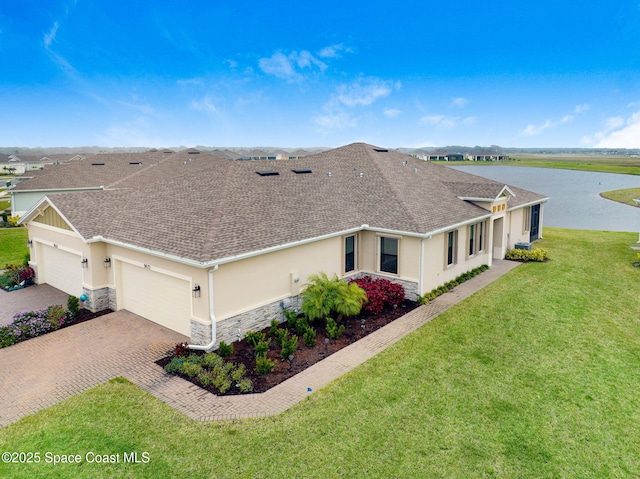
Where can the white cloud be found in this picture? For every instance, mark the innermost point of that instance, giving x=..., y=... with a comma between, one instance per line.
x=334, y=51
x=50, y=37
x=205, y=104
x=532, y=130
x=618, y=133
x=363, y=92
x=391, y=112
x=231, y=63
x=439, y=120
x=581, y=108
x=470, y=120
x=289, y=67
x=191, y=81
x=334, y=121
x=459, y=102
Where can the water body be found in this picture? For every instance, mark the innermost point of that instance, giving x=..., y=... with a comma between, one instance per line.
x=575, y=200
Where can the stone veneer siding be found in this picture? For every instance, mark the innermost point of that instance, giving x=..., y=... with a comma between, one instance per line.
x=99, y=299
x=234, y=328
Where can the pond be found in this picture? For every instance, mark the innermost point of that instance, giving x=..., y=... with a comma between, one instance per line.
x=575, y=195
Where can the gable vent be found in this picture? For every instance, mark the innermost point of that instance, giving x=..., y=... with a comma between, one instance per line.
x=97, y=164
x=381, y=150
x=301, y=172
x=268, y=173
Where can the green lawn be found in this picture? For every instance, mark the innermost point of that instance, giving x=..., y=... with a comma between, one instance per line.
x=623, y=196
x=13, y=246
x=535, y=376
x=606, y=164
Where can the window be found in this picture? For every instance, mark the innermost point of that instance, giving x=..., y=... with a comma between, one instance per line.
x=526, y=226
x=389, y=255
x=349, y=254
x=452, y=248
x=477, y=239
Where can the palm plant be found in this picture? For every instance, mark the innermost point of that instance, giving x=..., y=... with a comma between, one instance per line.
x=324, y=297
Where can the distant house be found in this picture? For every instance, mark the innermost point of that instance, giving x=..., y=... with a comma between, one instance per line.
x=213, y=248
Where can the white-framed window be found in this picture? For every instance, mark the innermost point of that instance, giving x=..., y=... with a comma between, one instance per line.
x=389, y=248
x=350, y=253
x=477, y=238
x=526, y=220
x=451, y=248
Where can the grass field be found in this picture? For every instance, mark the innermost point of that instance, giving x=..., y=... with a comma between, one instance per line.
x=623, y=196
x=535, y=376
x=13, y=246
x=606, y=164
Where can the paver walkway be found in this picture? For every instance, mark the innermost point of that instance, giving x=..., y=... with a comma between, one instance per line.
x=42, y=371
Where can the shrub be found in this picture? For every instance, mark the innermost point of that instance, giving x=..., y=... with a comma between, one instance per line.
x=273, y=328
x=180, y=349
x=73, y=306
x=245, y=385
x=434, y=293
x=174, y=365
x=225, y=349
x=190, y=369
x=261, y=348
x=7, y=337
x=536, y=254
x=56, y=316
x=254, y=337
x=264, y=365
x=281, y=336
x=289, y=346
x=238, y=373
x=291, y=318
x=302, y=325
x=380, y=293
x=309, y=337
x=324, y=296
x=212, y=360
x=333, y=330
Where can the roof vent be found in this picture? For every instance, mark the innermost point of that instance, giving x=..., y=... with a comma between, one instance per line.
x=135, y=163
x=415, y=170
x=404, y=163
x=361, y=174
x=167, y=152
x=381, y=150
x=194, y=152
x=301, y=172
x=97, y=164
x=328, y=173
x=268, y=173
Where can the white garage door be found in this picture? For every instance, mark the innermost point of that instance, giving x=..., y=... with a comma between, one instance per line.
x=60, y=269
x=160, y=298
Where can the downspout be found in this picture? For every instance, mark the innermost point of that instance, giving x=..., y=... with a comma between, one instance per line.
x=212, y=317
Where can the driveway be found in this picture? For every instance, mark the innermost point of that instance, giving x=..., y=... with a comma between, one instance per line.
x=43, y=371
x=34, y=297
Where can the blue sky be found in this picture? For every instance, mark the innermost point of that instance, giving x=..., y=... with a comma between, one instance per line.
x=546, y=73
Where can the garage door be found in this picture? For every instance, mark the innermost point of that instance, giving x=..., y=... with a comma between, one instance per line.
x=60, y=269
x=160, y=298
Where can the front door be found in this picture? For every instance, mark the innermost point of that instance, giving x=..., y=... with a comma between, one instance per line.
x=535, y=223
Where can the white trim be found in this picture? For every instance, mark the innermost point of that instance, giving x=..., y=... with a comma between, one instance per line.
x=57, y=246
x=531, y=203
x=142, y=265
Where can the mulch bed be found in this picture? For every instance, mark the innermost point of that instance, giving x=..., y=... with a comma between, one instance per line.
x=86, y=315
x=304, y=356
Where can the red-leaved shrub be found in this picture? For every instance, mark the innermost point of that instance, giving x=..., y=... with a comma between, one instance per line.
x=380, y=293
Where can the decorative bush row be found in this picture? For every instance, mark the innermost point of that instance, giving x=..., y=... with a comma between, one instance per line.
x=380, y=293
x=30, y=324
x=536, y=254
x=211, y=370
x=434, y=293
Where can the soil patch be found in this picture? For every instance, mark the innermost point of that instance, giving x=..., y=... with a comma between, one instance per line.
x=356, y=328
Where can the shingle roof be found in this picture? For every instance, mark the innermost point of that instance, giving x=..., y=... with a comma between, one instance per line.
x=210, y=208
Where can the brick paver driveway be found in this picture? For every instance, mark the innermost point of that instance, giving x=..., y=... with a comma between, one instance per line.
x=33, y=297
x=43, y=371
